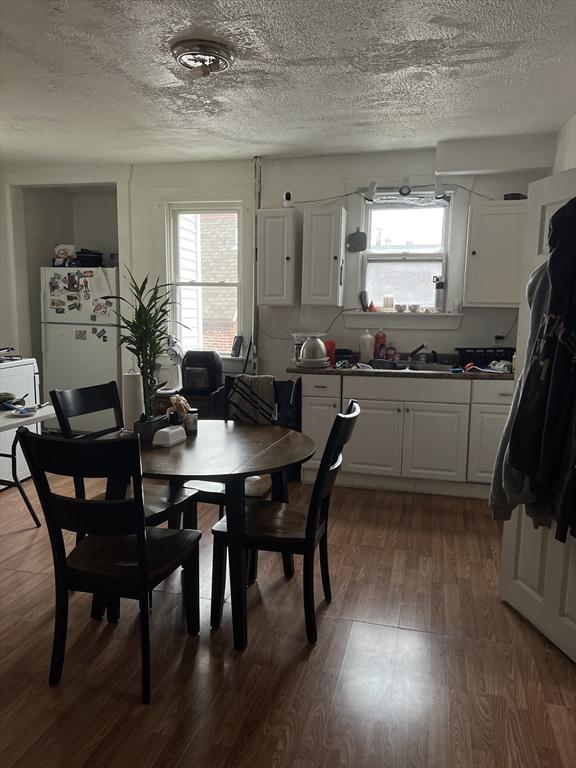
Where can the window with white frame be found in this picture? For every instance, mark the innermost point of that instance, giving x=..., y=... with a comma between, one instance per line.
x=205, y=273
x=407, y=248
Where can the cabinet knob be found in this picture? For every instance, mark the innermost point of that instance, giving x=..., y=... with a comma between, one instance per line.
x=407, y=410
x=473, y=253
x=333, y=405
x=335, y=258
x=287, y=258
x=399, y=410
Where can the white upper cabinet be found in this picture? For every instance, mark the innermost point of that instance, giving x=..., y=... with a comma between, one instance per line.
x=323, y=249
x=494, y=254
x=279, y=263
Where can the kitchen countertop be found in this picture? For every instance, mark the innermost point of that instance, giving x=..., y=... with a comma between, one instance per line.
x=403, y=374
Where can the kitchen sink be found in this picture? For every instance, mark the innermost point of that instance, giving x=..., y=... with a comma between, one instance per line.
x=410, y=367
x=427, y=367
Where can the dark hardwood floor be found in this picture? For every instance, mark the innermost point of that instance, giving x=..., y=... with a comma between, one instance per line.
x=418, y=662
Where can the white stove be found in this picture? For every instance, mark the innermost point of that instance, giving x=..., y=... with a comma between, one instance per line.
x=19, y=377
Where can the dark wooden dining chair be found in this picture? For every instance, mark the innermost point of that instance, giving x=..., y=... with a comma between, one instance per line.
x=118, y=554
x=274, y=526
x=162, y=502
x=287, y=396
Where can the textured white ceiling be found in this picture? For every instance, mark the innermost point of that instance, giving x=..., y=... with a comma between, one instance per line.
x=94, y=80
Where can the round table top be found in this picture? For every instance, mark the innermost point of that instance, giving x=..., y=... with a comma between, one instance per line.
x=226, y=448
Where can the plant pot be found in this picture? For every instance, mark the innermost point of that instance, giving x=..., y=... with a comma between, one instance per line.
x=147, y=429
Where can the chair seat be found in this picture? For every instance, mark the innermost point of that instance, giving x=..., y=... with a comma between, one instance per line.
x=116, y=556
x=269, y=521
x=254, y=487
x=160, y=500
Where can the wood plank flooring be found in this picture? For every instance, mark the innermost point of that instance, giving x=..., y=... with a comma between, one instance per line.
x=418, y=662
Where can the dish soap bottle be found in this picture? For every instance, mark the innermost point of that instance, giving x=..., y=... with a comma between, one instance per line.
x=380, y=345
x=366, y=347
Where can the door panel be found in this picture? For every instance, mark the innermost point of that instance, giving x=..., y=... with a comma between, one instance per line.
x=276, y=257
x=494, y=254
x=318, y=414
x=486, y=427
x=435, y=441
x=323, y=255
x=375, y=447
x=539, y=572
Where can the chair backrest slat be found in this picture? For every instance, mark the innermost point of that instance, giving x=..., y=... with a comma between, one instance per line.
x=69, y=403
x=105, y=459
x=98, y=518
x=330, y=465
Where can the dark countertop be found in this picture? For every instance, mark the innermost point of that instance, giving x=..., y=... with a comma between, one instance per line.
x=383, y=373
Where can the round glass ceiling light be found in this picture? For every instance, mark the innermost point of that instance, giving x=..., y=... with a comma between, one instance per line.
x=202, y=57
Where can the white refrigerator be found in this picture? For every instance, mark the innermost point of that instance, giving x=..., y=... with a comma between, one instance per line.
x=80, y=333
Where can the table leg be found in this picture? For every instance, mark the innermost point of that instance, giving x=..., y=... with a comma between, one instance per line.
x=235, y=512
x=18, y=484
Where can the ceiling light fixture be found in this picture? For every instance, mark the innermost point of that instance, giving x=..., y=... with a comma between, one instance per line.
x=202, y=57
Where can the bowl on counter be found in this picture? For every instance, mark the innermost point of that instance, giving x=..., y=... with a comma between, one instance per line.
x=400, y=307
x=414, y=307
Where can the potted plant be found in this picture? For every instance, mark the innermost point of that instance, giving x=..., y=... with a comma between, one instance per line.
x=146, y=334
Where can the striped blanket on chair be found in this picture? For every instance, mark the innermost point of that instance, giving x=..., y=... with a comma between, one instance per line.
x=252, y=399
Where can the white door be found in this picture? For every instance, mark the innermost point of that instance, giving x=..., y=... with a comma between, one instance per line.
x=538, y=572
x=323, y=255
x=486, y=427
x=435, y=441
x=494, y=255
x=277, y=257
x=74, y=295
x=79, y=356
x=375, y=447
x=318, y=414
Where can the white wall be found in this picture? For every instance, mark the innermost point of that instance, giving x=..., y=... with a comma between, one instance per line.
x=95, y=221
x=311, y=178
x=144, y=191
x=565, y=155
x=48, y=222
x=16, y=328
x=8, y=314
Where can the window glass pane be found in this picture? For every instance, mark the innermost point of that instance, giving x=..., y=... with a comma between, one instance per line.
x=208, y=246
x=410, y=282
x=210, y=314
x=414, y=230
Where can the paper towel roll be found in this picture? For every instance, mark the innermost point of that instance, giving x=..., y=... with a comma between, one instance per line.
x=132, y=398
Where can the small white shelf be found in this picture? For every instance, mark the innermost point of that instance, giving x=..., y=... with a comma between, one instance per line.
x=445, y=321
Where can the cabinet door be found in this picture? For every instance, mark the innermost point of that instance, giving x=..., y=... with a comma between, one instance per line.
x=494, y=257
x=435, y=441
x=323, y=255
x=486, y=427
x=277, y=257
x=375, y=447
x=318, y=414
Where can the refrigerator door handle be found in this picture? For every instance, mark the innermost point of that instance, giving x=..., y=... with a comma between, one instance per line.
x=44, y=347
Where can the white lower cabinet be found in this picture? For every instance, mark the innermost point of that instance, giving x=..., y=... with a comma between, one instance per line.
x=486, y=427
x=318, y=415
x=435, y=441
x=376, y=444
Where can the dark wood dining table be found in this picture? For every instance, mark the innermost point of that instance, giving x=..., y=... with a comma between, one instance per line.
x=229, y=452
